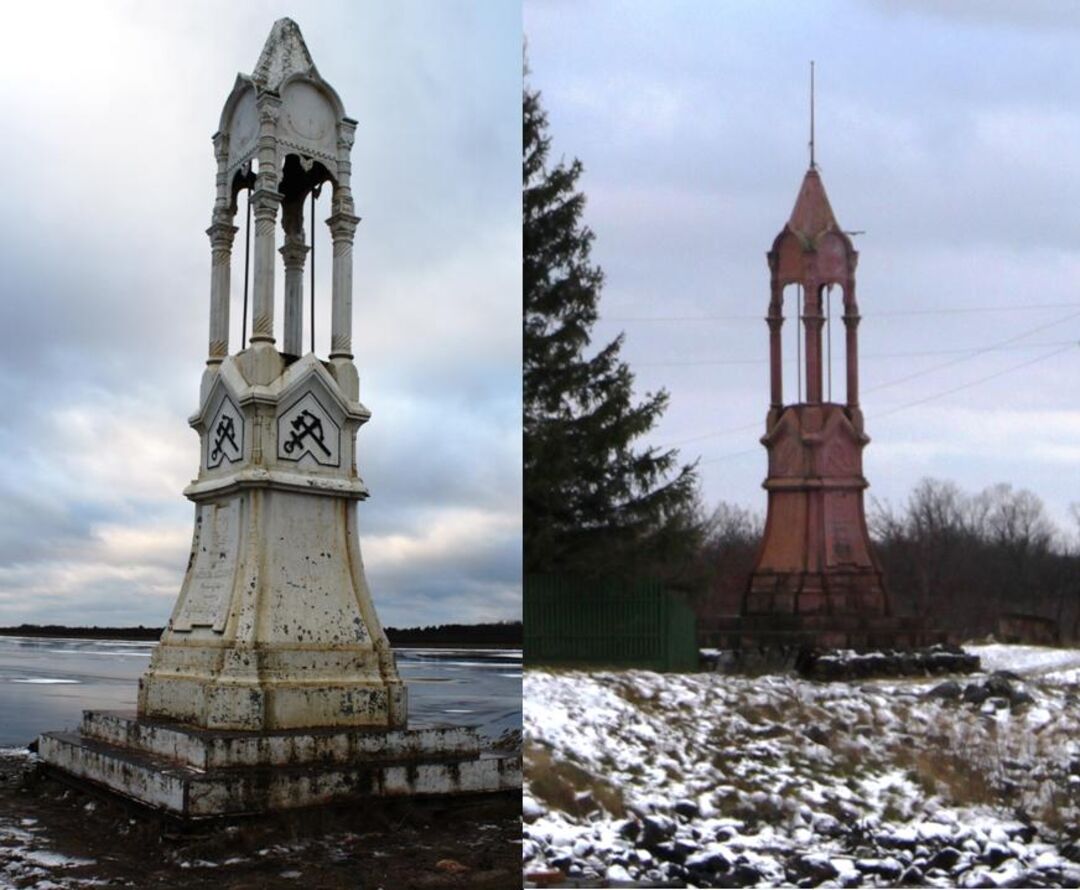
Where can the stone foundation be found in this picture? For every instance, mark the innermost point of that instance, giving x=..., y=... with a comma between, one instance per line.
x=795, y=632
x=196, y=774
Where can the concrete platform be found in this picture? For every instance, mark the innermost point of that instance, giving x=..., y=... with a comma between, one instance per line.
x=198, y=774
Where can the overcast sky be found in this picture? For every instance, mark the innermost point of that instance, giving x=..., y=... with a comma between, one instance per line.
x=108, y=184
x=947, y=132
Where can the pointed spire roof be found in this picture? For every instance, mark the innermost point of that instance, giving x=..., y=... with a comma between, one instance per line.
x=813, y=215
x=284, y=54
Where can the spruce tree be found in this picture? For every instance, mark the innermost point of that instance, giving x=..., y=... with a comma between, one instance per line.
x=594, y=504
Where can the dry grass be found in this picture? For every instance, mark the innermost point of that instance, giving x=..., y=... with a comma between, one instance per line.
x=561, y=785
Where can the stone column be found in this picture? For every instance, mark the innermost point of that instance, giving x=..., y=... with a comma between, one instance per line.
x=851, y=326
x=814, y=320
x=265, y=200
x=293, y=252
x=342, y=225
x=221, y=238
x=775, y=321
x=221, y=234
x=342, y=228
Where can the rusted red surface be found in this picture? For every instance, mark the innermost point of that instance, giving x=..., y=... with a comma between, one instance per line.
x=815, y=557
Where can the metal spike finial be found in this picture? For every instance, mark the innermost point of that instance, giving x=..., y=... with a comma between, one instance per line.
x=812, y=164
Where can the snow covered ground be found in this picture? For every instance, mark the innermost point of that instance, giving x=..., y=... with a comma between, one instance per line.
x=704, y=780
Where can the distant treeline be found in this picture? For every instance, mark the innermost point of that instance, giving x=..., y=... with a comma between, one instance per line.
x=501, y=633
x=961, y=560
x=84, y=633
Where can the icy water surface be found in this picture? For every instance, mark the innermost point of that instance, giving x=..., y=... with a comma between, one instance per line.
x=46, y=683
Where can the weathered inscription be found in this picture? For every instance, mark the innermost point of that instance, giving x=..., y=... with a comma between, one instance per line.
x=213, y=568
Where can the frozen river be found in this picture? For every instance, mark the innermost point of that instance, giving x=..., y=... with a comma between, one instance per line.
x=46, y=683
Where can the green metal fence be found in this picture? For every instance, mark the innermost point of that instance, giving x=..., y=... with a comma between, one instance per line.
x=572, y=621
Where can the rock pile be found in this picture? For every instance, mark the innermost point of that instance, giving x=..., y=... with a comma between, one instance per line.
x=844, y=664
x=675, y=849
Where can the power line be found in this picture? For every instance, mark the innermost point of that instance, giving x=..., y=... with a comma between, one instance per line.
x=895, y=313
x=931, y=370
x=938, y=395
x=922, y=353
x=969, y=385
x=956, y=361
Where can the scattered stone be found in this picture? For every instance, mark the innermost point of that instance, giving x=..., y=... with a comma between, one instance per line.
x=687, y=809
x=656, y=830
x=708, y=864
x=945, y=859
x=912, y=877
x=744, y=875
x=629, y=830
x=994, y=854
x=888, y=868
x=812, y=868
x=950, y=690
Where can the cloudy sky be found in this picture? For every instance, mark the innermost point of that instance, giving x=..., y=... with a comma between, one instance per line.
x=108, y=183
x=947, y=133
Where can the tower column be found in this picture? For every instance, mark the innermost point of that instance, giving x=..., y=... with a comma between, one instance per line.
x=265, y=200
x=342, y=228
x=293, y=253
x=221, y=233
x=221, y=238
x=775, y=321
x=851, y=326
x=342, y=225
x=264, y=208
x=814, y=320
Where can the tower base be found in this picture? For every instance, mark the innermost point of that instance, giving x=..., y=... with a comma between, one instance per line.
x=837, y=592
x=198, y=774
x=795, y=632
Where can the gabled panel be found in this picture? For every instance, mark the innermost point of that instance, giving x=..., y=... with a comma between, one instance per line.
x=308, y=432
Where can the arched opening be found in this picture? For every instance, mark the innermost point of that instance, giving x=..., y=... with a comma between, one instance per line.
x=791, y=336
x=240, y=273
x=305, y=258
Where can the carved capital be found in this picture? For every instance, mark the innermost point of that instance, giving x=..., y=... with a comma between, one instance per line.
x=852, y=320
x=265, y=202
x=221, y=147
x=221, y=235
x=775, y=322
x=293, y=253
x=269, y=106
x=346, y=135
x=342, y=226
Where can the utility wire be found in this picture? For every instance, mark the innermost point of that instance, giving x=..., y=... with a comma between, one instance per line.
x=969, y=385
x=938, y=395
x=921, y=353
x=895, y=313
x=956, y=361
x=933, y=369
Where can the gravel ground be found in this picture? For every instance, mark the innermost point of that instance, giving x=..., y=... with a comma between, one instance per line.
x=53, y=837
x=638, y=779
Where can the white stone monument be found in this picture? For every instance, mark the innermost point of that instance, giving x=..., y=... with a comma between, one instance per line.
x=274, y=684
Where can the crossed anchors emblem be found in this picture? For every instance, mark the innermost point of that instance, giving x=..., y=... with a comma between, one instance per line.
x=226, y=431
x=306, y=426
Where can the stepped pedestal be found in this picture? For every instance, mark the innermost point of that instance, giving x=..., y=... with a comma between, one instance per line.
x=196, y=773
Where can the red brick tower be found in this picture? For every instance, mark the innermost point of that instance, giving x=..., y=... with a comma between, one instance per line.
x=816, y=564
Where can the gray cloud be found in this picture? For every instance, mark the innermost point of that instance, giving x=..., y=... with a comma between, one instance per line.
x=945, y=131
x=109, y=185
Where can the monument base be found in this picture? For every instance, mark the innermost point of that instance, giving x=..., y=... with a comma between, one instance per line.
x=198, y=774
x=793, y=632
